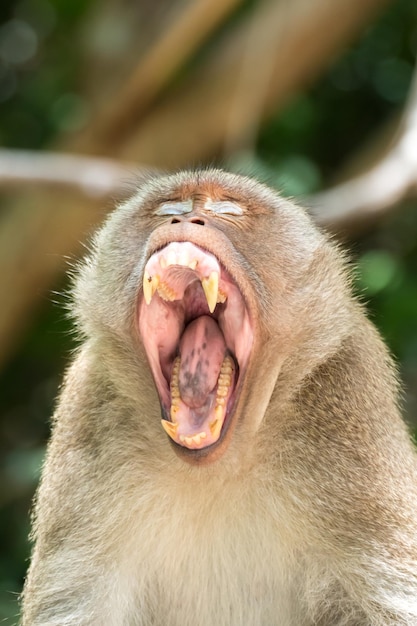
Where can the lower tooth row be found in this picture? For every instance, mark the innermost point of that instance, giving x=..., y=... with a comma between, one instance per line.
x=193, y=439
x=227, y=365
x=225, y=380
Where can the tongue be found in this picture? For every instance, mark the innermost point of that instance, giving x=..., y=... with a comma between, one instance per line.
x=202, y=350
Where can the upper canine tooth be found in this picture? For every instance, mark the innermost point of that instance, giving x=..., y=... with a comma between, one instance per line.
x=211, y=289
x=150, y=284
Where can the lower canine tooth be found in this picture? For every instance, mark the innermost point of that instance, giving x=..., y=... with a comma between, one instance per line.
x=170, y=428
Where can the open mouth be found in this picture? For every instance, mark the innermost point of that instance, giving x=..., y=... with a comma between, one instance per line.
x=196, y=330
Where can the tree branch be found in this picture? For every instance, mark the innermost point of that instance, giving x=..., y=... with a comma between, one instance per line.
x=95, y=177
x=152, y=74
x=300, y=38
x=190, y=126
x=364, y=198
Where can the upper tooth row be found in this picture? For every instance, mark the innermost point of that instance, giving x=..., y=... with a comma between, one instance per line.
x=174, y=258
x=210, y=286
x=187, y=255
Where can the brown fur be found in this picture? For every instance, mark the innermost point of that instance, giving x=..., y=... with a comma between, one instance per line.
x=307, y=511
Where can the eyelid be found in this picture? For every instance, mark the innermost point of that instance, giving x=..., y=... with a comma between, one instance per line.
x=175, y=208
x=224, y=207
x=220, y=207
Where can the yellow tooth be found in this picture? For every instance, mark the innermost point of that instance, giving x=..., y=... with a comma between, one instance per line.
x=224, y=381
x=176, y=365
x=165, y=291
x=193, y=439
x=175, y=376
x=218, y=412
x=227, y=365
x=162, y=262
x=174, y=388
x=173, y=411
x=221, y=297
x=211, y=289
x=150, y=284
x=193, y=264
x=216, y=425
x=147, y=288
x=170, y=428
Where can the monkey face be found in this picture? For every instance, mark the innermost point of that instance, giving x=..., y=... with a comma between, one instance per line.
x=200, y=312
x=210, y=271
x=194, y=320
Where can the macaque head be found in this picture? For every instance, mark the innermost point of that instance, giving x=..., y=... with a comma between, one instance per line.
x=220, y=290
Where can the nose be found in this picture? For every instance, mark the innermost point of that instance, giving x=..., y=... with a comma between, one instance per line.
x=192, y=220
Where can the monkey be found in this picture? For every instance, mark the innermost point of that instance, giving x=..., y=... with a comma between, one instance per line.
x=228, y=446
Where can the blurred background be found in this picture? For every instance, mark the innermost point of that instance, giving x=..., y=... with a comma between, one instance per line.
x=315, y=97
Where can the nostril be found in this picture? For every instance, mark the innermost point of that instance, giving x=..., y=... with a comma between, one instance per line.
x=194, y=220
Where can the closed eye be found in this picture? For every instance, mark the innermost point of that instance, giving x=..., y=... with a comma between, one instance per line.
x=221, y=207
x=175, y=208
x=224, y=207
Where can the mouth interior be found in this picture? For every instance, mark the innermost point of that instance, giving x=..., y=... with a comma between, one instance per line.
x=197, y=334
